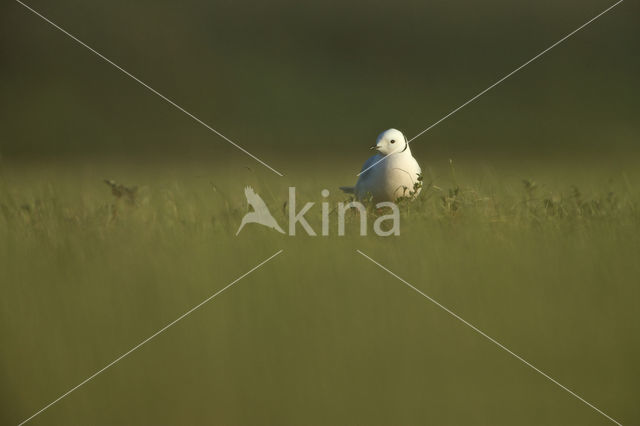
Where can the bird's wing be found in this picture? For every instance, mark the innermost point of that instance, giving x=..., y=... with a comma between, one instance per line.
x=371, y=161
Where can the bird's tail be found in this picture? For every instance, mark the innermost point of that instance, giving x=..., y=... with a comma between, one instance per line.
x=348, y=189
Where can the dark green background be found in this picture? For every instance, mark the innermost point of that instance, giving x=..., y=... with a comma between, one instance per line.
x=284, y=78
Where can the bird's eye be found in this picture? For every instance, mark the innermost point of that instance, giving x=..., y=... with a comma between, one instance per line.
x=393, y=141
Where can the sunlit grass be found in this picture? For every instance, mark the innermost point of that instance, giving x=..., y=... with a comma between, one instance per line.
x=544, y=261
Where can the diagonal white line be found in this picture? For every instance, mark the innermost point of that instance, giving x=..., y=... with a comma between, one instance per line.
x=149, y=338
x=491, y=339
x=502, y=79
x=151, y=89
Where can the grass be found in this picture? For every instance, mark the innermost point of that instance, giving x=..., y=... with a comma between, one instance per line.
x=542, y=257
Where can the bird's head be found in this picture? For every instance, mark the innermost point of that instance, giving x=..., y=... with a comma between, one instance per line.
x=390, y=141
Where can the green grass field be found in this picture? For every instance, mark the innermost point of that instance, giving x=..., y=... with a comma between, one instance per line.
x=543, y=257
x=532, y=234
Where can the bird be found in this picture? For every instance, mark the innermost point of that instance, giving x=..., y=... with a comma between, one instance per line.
x=260, y=213
x=390, y=174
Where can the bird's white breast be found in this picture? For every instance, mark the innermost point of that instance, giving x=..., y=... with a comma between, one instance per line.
x=390, y=179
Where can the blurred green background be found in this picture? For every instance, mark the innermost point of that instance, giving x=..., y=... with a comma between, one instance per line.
x=285, y=78
x=533, y=236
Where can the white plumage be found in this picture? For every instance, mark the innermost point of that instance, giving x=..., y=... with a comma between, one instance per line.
x=387, y=179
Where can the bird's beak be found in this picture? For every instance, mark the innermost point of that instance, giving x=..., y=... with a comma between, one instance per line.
x=374, y=147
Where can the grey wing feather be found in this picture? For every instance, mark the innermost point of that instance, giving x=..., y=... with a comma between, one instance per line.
x=370, y=162
x=363, y=174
